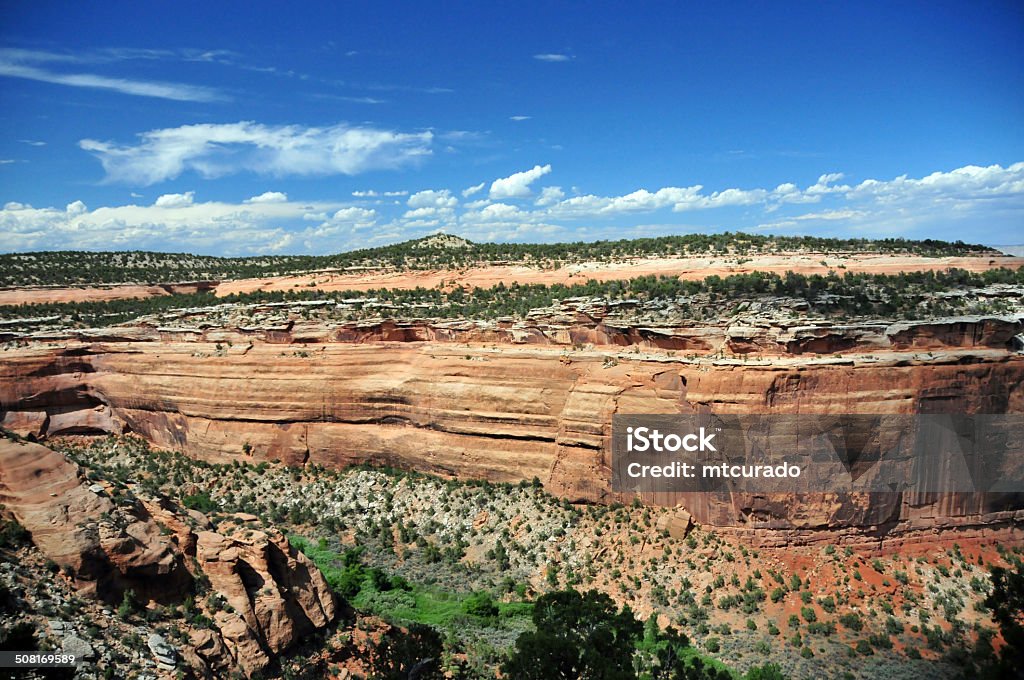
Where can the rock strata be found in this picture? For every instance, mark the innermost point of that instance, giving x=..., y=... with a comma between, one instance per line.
x=508, y=401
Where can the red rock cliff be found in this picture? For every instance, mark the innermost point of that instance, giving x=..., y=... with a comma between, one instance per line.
x=505, y=413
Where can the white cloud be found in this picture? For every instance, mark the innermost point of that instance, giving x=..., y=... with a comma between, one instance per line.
x=517, y=185
x=973, y=202
x=825, y=185
x=430, y=208
x=433, y=199
x=552, y=57
x=831, y=215
x=213, y=150
x=32, y=142
x=476, y=188
x=175, y=200
x=519, y=118
x=727, y=197
x=678, y=198
x=363, y=100
x=370, y=193
x=550, y=196
x=21, y=64
x=269, y=197
x=898, y=204
x=420, y=213
x=497, y=212
x=177, y=222
x=968, y=182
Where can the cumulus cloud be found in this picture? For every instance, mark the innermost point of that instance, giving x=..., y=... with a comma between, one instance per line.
x=430, y=208
x=269, y=197
x=178, y=222
x=972, y=202
x=986, y=196
x=497, y=212
x=550, y=196
x=825, y=185
x=637, y=201
x=517, y=185
x=175, y=200
x=433, y=199
x=968, y=182
x=213, y=150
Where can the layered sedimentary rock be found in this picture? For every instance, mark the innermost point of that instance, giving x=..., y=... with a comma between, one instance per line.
x=511, y=411
x=107, y=548
x=574, y=324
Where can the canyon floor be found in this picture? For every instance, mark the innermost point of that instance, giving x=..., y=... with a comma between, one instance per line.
x=817, y=611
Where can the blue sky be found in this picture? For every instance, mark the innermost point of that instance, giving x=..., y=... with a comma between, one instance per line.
x=240, y=128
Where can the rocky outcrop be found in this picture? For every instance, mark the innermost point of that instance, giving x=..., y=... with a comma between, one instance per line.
x=573, y=323
x=276, y=595
x=504, y=412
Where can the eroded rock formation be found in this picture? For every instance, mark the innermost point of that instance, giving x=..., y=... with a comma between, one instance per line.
x=108, y=543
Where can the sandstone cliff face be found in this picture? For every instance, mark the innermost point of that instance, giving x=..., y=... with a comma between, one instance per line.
x=107, y=547
x=503, y=412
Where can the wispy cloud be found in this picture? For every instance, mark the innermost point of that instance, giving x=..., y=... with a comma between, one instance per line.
x=553, y=57
x=386, y=87
x=519, y=118
x=32, y=142
x=213, y=150
x=364, y=100
x=475, y=189
x=350, y=99
x=371, y=193
x=25, y=64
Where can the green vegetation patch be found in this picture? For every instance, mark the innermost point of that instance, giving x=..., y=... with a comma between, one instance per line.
x=394, y=599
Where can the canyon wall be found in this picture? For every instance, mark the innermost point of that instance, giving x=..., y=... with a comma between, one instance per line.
x=507, y=412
